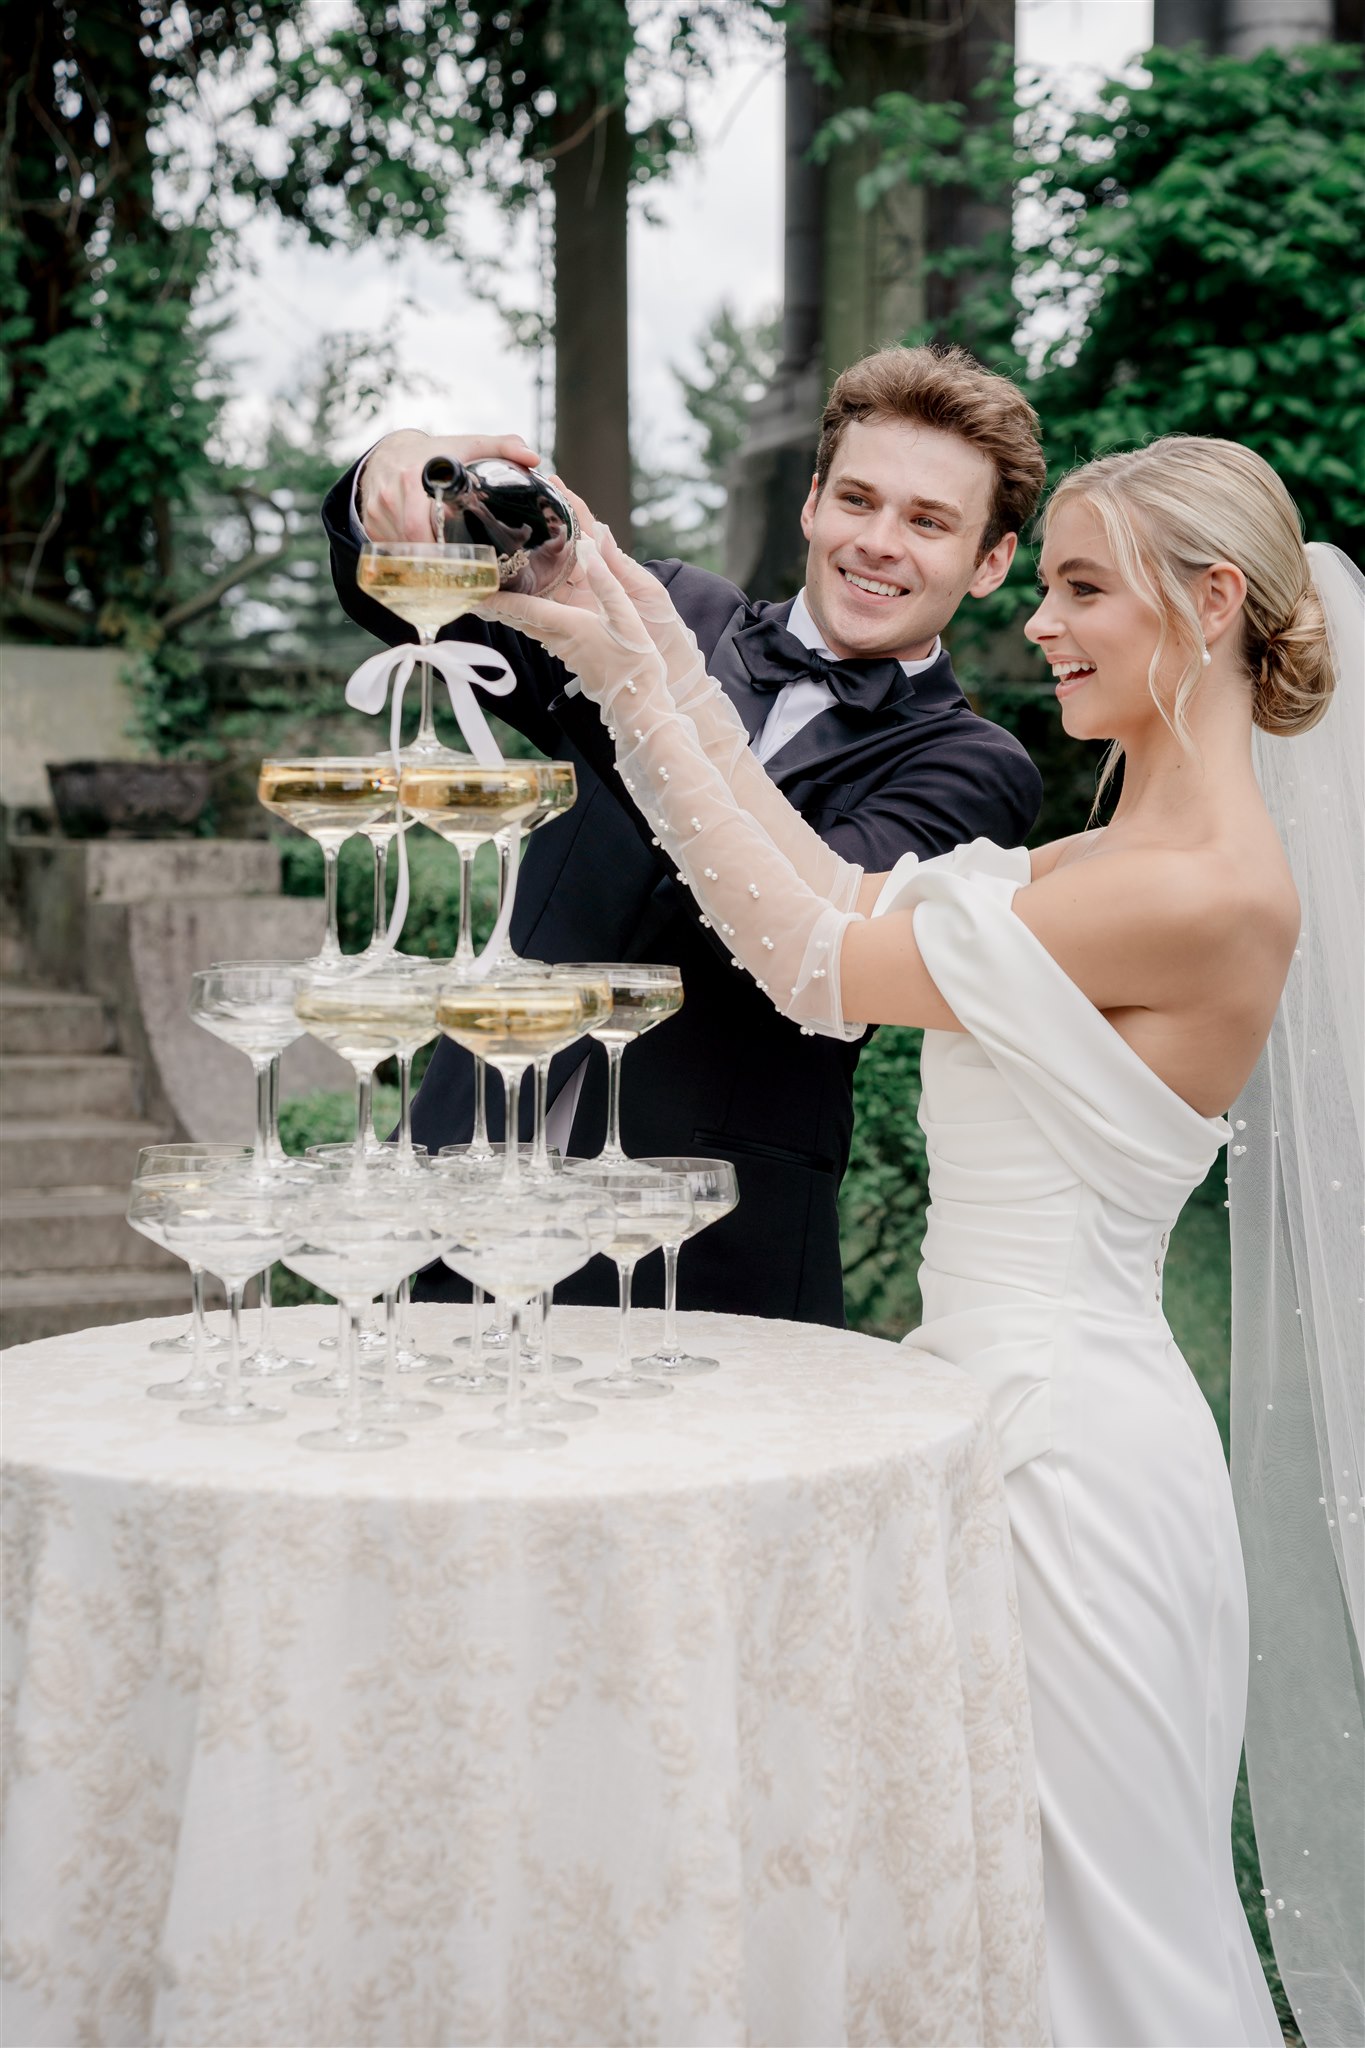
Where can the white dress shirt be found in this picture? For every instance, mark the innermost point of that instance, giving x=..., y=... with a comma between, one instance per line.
x=794, y=706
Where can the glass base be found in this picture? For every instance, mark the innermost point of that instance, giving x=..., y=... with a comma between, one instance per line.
x=194, y=1387
x=494, y=1339
x=461, y=1379
x=676, y=1365
x=623, y=1387
x=268, y=1365
x=332, y=1387
x=231, y=1414
x=346, y=1437
x=370, y=1342
x=525, y=1437
x=402, y=1410
x=546, y=1406
x=408, y=1360
x=183, y=1345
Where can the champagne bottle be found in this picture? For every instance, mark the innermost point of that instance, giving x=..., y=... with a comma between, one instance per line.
x=498, y=504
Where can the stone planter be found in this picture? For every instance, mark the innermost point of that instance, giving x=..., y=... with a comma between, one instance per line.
x=129, y=799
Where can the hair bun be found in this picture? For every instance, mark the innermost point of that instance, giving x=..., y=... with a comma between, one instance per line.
x=1294, y=676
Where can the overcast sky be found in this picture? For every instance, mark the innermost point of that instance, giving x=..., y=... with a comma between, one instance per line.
x=716, y=235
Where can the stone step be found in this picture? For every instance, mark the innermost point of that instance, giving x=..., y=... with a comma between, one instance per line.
x=34, y=1305
x=53, y=1229
x=51, y=1020
x=62, y=1085
x=79, y=1152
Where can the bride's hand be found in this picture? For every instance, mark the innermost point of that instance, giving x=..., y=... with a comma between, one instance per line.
x=590, y=624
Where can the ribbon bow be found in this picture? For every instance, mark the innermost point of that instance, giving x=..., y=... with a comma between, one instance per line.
x=369, y=686
x=774, y=657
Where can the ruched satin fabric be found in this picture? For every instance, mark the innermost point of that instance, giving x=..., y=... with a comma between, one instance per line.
x=1058, y=1165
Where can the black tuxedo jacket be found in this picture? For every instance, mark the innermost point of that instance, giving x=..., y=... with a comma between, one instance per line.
x=727, y=1076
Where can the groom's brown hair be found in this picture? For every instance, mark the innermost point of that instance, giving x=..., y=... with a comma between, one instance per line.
x=948, y=389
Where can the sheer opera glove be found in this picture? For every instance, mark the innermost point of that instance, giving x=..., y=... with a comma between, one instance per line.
x=784, y=931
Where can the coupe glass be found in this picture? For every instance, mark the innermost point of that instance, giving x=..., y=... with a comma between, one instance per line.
x=643, y=994
x=163, y=1171
x=367, y=1018
x=468, y=804
x=509, y=1025
x=233, y=1234
x=595, y=990
x=714, y=1191
x=329, y=799
x=355, y=1243
x=514, y=1244
x=428, y=584
x=648, y=1209
x=249, y=1004
x=558, y=793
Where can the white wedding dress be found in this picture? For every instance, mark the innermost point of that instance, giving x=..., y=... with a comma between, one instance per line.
x=1058, y=1164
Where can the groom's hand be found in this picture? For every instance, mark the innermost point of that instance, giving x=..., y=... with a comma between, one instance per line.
x=392, y=502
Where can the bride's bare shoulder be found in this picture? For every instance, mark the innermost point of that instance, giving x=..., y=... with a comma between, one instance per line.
x=1059, y=853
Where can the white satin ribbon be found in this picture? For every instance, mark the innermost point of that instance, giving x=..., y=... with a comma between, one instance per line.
x=367, y=690
x=369, y=687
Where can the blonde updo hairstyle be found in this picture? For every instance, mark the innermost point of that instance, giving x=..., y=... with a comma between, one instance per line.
x=1174, y=508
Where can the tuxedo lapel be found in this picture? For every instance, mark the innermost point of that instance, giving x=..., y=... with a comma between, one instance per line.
x=837, y=731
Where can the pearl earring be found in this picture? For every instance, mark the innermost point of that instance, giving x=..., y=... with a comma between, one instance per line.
x=1207, y=657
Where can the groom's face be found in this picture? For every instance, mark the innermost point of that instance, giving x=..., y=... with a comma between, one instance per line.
x=895, y=538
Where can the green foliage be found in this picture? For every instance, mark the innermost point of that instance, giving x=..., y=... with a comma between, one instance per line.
x=884, y=1195
x=1190, y=249
x=681, y=510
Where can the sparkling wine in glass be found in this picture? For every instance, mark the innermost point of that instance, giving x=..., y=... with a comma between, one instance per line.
x=367, y=1018
x=468, y=803
x=330, y=799
x=643, y=994
x=163, y=1171
x=428, y=584
x=715, y=1192
x=647, y=1209
x=510, y=1025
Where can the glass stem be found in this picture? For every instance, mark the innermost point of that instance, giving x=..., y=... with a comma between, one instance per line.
x=511, y=1135
x=263, y=1340
x=260, y=1149
x=197, y=1317
x=464, y=945
x=671, y=1345
x=476, y=1331
x=274, y=1147
x=364, y=1118
x=405, y=1151
x=379, y=920
x=426, y=727
x=512, y=1412
x=331, y=945
x=478, y=1143
x=624, y=1369
x=547, y=1349
x=612, y=1149
x=390, y=1346
x=351, y=1417
x=540, y=1149
x=233, y=1386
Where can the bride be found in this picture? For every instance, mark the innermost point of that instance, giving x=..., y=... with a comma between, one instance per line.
x=1091, y=1010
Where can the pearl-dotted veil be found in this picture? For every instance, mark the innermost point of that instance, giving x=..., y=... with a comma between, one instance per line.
x=1298, y=1361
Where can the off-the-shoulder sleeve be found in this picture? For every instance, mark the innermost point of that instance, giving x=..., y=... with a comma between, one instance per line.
x=1124, y=1132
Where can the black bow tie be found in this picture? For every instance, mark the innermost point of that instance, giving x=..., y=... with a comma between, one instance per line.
x=775, y=657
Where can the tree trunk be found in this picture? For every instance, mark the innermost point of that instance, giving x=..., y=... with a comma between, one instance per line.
x=954, y=218
x=592, y=156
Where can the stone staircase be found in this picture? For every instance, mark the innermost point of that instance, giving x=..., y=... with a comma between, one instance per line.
x=70, y=1128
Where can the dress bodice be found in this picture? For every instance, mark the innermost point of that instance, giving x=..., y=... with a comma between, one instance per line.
x=1058, y=1161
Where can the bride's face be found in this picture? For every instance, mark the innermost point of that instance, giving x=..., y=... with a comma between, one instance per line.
x=1097, y=636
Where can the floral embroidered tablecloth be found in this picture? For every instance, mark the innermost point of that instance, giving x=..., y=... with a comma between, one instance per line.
x=709, y=1727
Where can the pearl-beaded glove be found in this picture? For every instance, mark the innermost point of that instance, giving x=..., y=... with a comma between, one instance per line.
x=780, y=898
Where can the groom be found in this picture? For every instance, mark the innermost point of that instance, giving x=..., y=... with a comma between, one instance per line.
x=928, y=468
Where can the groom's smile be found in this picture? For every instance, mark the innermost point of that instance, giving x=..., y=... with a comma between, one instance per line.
x=894, y=538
